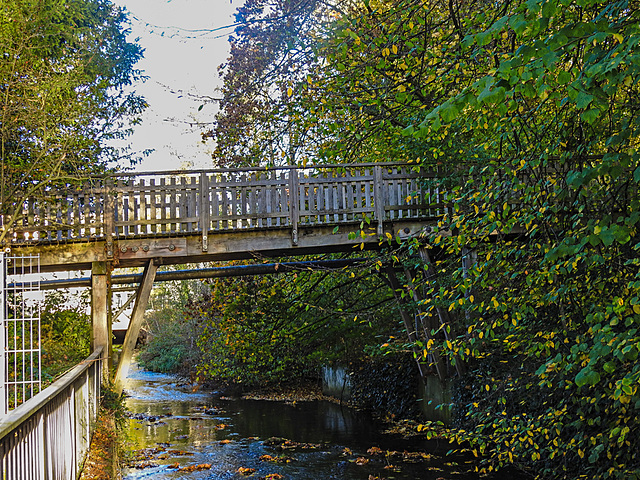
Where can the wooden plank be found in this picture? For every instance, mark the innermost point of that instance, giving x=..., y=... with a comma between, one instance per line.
x=108, y=217
x=379, y=200
x=192, y=204
x=58, y=217
x=368, y=200
x=163, y=205
x=215, y=206
x=294, y=205
x=143, y=215
x=224, y=208
x=174, y=225
x=261, y=194
x=205, y=195
x=153, y=207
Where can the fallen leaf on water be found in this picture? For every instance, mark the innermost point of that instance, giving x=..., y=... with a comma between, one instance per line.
x=224, y=442
x=193, y=468
x=415, y=456
x=374, y=451
x=362, y=461
x=179, y=453
x=371, y=477
x=174, y=465
x=246, y=471
x=272, y=476
x=347, y=451
x=221, y=426
x=164, y=456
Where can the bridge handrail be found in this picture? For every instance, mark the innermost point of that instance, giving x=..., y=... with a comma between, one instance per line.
x=201, y=202
x=48, y=436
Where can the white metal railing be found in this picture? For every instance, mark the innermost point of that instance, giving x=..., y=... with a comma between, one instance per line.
x=19, y=329
x=48, y=436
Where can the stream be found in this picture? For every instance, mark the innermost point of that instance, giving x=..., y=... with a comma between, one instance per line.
x=179, y=434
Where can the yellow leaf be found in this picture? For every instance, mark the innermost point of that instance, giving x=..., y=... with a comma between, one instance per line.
x=429, y=344
x=289, y=91
x=449, y=346
x=580, y=453
x=395, y=49
x=487, y=387
x=636, y=309
x=618, y=37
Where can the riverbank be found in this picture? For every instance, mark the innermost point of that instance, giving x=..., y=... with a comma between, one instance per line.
x=103, y=460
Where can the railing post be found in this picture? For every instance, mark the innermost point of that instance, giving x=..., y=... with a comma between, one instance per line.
x=378, y=198
x=205, y=210
x=294, y=203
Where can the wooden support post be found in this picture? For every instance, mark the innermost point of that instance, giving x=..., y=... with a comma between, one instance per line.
x=142, y=299
x=378, y=198
x=427, y=325
x=100, y=309
x=294, y=203
x=444, y=315
x=406, y=318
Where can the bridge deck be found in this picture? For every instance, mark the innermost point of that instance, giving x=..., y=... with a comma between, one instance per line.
x=191, y=216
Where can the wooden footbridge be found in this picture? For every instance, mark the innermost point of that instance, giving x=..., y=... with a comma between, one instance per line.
x=153, y=219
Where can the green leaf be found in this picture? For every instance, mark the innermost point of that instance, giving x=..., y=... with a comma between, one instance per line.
x=590, y=115
x=583, y=99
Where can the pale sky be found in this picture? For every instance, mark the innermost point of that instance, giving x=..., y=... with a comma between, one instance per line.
x=184, y=42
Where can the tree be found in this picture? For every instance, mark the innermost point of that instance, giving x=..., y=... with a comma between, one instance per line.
x=270, y=53
x=63, y=79
x=532, y=107
x=542, y=100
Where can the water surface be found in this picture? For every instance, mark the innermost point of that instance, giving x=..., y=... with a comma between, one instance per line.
x=177, y=431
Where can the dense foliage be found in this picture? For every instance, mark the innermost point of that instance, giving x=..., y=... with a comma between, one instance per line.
x=63, y=76
x=65, y=334
x=266, y=329
x=531, y=108
x=171, y=330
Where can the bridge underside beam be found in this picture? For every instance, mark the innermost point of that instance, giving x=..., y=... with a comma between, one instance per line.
x=223, y=246
x=201, y=273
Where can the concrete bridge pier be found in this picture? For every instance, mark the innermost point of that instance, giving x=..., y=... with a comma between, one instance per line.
x=101, y=313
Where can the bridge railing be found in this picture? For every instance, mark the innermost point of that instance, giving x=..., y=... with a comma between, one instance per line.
x=47, y=437
x=209, y=201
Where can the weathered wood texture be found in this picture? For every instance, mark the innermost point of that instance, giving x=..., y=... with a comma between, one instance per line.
x=129, y=206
